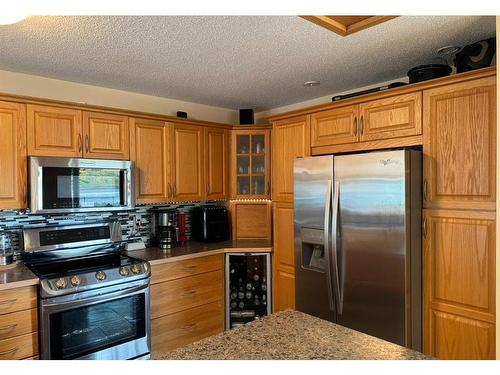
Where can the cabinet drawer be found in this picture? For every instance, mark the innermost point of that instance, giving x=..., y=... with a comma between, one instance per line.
x=182, y=294
x=18, y=323
x=17, y=299
x=19, y=347
x=184, y=268
x=173, y=331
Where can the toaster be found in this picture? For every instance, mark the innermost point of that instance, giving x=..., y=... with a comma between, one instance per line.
x=210, y=223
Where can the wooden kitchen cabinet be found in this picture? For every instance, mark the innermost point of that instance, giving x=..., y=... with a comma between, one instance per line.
x=105, y=136
x=18, y=323
x=290, y=140
x=216, y=163
x=250, y=164
x=188, y=163
x=187, y=301
x=251, y=220
x=283, y=257
x=460, y=145
x=459, y=284
x=13, y=166
x=336, y=126
x=150, y=142
x=54, y=131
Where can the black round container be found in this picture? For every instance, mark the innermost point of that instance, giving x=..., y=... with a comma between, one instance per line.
x=425, y=72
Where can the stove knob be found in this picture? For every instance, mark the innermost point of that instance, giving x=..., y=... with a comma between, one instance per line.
x=60, y=283
x=135, y=268
x=100, y=276
x=124, y=271
x=75, y=281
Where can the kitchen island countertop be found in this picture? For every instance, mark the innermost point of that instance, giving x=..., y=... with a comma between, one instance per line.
x=292, y=335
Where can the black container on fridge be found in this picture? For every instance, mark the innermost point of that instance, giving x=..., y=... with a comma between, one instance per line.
x=248, y=288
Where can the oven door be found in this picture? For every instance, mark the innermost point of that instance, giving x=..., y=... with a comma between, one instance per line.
x=79, y=185
x=103, y=324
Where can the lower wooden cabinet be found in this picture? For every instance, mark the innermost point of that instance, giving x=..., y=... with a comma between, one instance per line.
x=459, y=284
x=187, y=302
x=284, y=257
x=18, y=323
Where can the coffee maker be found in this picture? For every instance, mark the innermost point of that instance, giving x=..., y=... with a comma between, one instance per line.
x=165, y=228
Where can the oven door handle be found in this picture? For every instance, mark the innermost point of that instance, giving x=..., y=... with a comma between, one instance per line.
x=55, y=306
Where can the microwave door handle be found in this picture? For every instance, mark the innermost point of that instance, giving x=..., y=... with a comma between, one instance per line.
x=126, y=187
x=326, y=243
x=335, y=211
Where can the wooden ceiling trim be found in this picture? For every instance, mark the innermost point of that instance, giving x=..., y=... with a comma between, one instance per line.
x=346, y=25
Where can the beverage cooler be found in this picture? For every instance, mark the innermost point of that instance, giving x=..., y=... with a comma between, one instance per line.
x=248, y=287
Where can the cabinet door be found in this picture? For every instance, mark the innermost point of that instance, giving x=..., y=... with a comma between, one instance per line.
x=13, y=167
x=334, y=127
x=290, y=140
x=396, y=116
x=188, y=163
x=459, y=284
x=54, y=131
x=284, y=257
x=251, y=220
x=460, y=145
x=216, y=163
x=106, y=136
x=149, y=149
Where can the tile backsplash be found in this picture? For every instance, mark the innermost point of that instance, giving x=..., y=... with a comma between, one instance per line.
x=136, y=224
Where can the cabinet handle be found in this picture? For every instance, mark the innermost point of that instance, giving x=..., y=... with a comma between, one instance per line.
x=268, y=187
x=8, y=302
x=174, y=190
x=189, y=327
x=355, y=126
x=424, y=228
x=361, y=125
x=80, y=147
x=188, y=293
x=208, y=188
x=8, y=328
x=425, y=190
x=87, y=143
x=11, y=351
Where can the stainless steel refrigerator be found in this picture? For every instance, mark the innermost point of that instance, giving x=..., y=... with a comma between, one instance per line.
x=358, y=242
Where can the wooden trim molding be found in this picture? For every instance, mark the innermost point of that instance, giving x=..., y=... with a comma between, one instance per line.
x=347, y=25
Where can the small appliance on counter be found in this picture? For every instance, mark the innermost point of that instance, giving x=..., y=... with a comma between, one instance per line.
x=248, y=287
x=6, y=251
x=210, y=223
x=165, y=228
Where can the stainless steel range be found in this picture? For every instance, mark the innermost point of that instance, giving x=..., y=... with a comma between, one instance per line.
x=93, y=301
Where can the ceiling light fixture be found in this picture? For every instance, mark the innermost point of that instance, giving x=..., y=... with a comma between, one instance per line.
x=9, y=19
x=311, y=83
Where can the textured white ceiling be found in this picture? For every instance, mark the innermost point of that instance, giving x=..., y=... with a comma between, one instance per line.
x=233, y=62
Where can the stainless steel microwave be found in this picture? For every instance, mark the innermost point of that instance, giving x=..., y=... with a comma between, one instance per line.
x=60, y=185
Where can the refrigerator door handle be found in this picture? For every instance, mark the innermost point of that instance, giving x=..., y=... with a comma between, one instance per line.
x=326, y=244
x=335, y=210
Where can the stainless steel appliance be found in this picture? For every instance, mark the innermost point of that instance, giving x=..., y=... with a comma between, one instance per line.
x=357, y=242
x=248, y=287
x=210, y=223
x=93, y=301
x=80, y=185
x=166, y=228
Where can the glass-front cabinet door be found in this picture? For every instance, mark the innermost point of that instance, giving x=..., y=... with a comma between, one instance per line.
x=251, y=164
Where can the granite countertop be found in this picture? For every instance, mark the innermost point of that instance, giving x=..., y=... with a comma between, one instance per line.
x=16, y=276
x=291, y=335
x=192, y=249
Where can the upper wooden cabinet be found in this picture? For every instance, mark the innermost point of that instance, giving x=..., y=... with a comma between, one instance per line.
x=188, y=163
x=336, y=126
x=290, y=140
x=250, y=164
x=460, y=145
x=12, y=155
x=105, y=136
x=150, y=150
x=216, y=163
x=54, y=131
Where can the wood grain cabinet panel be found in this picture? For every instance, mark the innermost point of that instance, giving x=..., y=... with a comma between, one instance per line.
x=251, y=220
x=13, y=168
x=334, y=127
x=150, y=150
x=184, y=268
x=54, y=131
x=216, y=163
x=284, y=290
x=460, y=145
x=459, y=283
x=396, y=116
x=19, y=347
x=290, y=140
x=106, y=136
x=176, y=330
x=18, y=323
x=188, y=173
x=12, y=300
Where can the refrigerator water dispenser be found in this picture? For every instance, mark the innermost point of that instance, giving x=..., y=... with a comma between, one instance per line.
x=313, y=249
